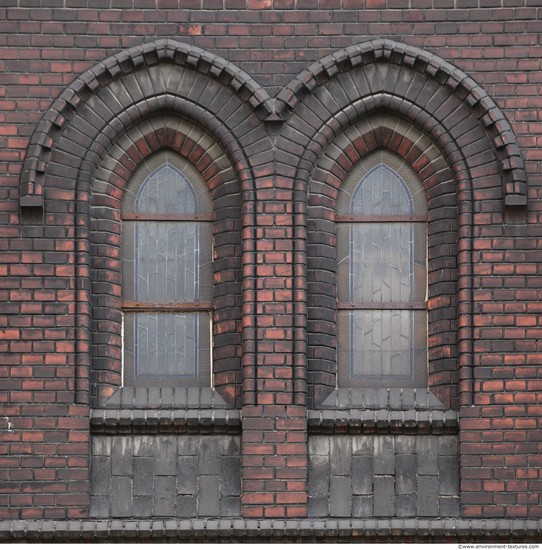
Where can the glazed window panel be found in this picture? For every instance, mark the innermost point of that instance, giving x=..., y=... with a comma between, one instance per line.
x=381, y=266
x=166, y=191
x=167, y=275
x=167, y=345
x=166, y=267
x=382, y=276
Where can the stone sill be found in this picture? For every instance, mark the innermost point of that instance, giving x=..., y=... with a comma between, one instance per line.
x=303, y=530
x=191, y=421
x=328, y=422
x=166, y=398
x=391, y=399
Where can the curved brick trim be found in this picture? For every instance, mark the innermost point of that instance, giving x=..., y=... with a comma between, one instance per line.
x=110, y=178
x=372, y=133
x=455, y=81
x=151, y=54
x=285, y=531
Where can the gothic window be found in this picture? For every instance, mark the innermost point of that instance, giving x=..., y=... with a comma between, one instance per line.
x=166, y=215
x=382, y=275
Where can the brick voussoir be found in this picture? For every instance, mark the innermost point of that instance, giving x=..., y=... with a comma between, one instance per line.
x=451, y=78
x=109, y=70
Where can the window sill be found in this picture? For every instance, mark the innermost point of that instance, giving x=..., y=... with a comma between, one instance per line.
x=297, y=530
x=170, y=398
x=387, y=399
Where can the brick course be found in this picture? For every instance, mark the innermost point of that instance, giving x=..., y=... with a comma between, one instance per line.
x=267, y=92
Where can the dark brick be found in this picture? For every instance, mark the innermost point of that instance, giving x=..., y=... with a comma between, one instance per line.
x=142, y=507
x=405, y=474
x=187, y=475
x=164, y=496
x=100, y=481
x=428, y=501
x=186, y=507
x=448, y=475
x=209, y=496
x=121, y=497
x=362, y=475
x=340, y=496
x=143, y=476
x=384, y=496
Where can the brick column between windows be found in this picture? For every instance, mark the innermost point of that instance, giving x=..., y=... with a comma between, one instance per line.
x=274, y=441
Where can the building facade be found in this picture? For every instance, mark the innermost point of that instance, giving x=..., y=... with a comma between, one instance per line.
x=270, y=270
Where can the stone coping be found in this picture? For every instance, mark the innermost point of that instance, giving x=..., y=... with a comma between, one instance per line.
x=220, y=421
x=300, y=530
x=205, y=421
x=382, y=422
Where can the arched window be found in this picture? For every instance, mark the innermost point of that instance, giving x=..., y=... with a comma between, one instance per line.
x=382, y=275
x=166, y=214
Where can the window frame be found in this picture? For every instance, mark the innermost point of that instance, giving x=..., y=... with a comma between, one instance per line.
x=419, y=371
x=204, y=376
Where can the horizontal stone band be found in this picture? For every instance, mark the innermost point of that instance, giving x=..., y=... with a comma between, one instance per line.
x=206, y=421
x=306, y=530
x=382, y=422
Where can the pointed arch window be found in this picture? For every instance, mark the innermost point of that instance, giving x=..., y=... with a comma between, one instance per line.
x=166, y=217
x=382, y=275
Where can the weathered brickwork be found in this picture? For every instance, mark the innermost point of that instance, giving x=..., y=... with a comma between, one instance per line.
x=273, y=102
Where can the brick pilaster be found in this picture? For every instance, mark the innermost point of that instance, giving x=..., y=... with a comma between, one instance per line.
x=274, y=461
x=274, y=427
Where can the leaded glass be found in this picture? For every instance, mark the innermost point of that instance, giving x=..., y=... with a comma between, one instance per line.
x=166, y=191
x=166, y=267
x=381, y=267
x=382, y=260
x=166, y=344
x=381, y=192
x=382, y=343
x=163, y=264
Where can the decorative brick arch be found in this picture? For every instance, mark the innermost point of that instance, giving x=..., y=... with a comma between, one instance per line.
x=63, y=109
x=97, y=110
x=430, y=95
x=450, y=81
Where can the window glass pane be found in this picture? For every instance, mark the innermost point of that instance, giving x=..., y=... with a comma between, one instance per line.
x=382, y=262
x=166, y=266
x=166, y=344
x=171, y=348
x=381, y=343
x=382, y=348
x=166, y=191
x=381, y=192
x=379, y=262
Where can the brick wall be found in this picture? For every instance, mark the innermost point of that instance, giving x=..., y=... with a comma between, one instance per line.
x=46, y=319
